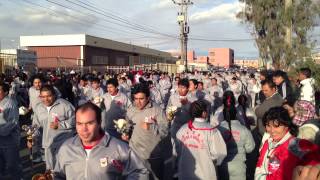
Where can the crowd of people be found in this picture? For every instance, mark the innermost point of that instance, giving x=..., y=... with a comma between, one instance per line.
x=229, y=125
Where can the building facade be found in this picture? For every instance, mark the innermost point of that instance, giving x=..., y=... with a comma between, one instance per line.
x=221, y=57
x=247, y=63
x=81, y=50
x=17, y=58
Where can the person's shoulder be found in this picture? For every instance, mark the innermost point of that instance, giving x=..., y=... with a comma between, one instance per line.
x=64, y=102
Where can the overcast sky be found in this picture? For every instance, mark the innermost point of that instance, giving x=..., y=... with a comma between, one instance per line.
x=130, y=21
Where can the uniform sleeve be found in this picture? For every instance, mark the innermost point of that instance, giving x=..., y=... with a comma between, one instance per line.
x=69, y=122
x=59, y=171
x=134, y=167
x=11, y=116
x=249, y=141
x=217, y=147
x=36, y=120
x=162, y=124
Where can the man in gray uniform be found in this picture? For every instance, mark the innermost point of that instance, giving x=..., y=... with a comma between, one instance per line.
x=182, y=101
x=116, y=105
x=9, y=134
x=93, y=154
x=149, y=138
x=56, y=118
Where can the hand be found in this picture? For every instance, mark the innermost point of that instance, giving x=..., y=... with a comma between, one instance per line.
x=145, y=125
x=29, y=144
x=54, y=125
x=125, y=137
x=306, y=173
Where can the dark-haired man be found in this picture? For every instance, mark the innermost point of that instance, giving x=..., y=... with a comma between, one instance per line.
x=273, y=99
x=116, y=105
x=56, y=118
x=181, y=100
x=149, y=137
x=94, y=154
x=9, y=134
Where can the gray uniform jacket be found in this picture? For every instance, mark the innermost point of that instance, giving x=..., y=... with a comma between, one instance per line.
x=95, y=93
x=182, y=115
x=110, y=159
x=61, y=110
x=240, y=143
x=155, y=96
x=114, y=109
x=9, y=123
x=147, y=143
x=34, y=97
x=273, y=101
x=199, y=150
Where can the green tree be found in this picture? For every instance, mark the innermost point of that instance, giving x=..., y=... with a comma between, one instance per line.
x=269, y=20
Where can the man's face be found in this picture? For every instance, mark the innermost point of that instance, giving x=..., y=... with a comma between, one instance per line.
x=182, y=90
x=47, y=98
x=82, y=83
x=192, y=86
x=87, y=126
x=200, y=87
x=277, y=80
x=95, y=85
x=2, y=94
x=37, y=84
x=214, y=82
x=112, y=90
x=140, y=100
x=267, y=91
x=302, y=77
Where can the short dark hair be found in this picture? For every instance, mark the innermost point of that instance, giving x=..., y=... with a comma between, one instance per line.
x=48, y=88
x=5, y=87
x=96, y=80
x=184, y=82
x=37, y=76
x=141, y=88
x=200, y=83
x=279, y=73
x=306, y=72
x=113, y=82
x=269, y=82
x=197, y=108
x=89, y=105
x=194, y=81
x=280, y=116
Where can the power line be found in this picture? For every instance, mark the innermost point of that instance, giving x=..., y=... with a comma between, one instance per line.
x=107, y=20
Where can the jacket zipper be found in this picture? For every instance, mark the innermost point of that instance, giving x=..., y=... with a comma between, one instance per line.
x=86, y=166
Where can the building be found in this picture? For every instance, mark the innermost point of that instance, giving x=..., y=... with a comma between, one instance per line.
x=247, y=63
x=17, y=58
x=191, y=56
x=316, y=57
x=81, y=50
x=221, y=57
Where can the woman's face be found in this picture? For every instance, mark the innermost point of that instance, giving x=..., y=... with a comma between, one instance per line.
x=277, y=131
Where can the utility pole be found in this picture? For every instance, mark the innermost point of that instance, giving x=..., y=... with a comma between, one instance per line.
x=184, y=29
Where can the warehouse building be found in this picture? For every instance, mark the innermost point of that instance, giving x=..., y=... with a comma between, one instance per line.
x=81, y=50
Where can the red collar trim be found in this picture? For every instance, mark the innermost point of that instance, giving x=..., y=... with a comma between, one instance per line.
x=90, y=147
x=190, y=125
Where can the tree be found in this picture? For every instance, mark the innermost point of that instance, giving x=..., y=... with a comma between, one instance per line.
x=270, y=21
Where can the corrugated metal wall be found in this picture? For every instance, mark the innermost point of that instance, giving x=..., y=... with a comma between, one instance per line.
x=59, y=56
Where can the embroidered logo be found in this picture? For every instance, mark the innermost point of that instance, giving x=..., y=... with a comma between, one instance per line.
x=104, y=162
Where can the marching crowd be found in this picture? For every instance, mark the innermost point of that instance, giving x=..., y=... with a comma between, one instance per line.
x=153, y=125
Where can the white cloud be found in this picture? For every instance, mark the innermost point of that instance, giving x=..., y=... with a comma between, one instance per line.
x=223, y=12
x=162, y=4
